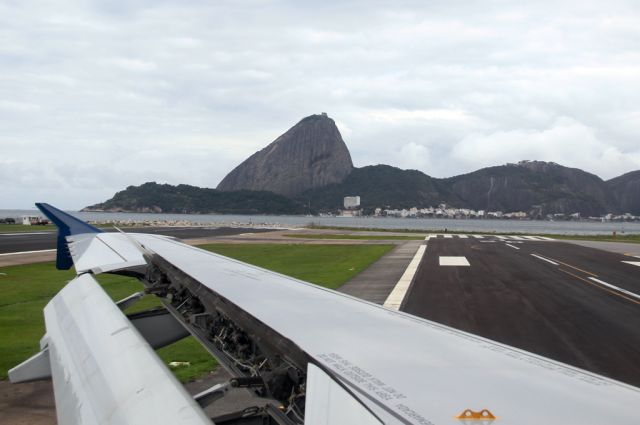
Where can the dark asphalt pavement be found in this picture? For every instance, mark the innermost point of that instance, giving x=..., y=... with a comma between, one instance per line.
x=20, y=242
x=549, y=305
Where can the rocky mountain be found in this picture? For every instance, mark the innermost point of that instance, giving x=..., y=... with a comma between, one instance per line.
x=310, y=155
x=185, y=199
x=533, y=186
x=626, y=190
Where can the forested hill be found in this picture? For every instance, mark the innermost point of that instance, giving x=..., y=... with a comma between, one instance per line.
x=185, y=199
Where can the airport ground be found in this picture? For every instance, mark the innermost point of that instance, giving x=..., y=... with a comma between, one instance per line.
x=576, y=302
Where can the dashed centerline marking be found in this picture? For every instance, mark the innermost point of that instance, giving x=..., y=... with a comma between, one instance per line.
x=608, y=285
x=633, y=263
x=511, y=246
x=564, y=264
x=545, y=259
x=395, y=298
x=27, y=252
x=617, y=294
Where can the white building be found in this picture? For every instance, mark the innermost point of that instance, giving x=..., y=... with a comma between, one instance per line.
x=351, y=202
x=28, y=220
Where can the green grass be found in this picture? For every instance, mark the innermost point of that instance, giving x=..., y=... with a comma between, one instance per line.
x=26, y=290
x=358, y=237
x=326, y=265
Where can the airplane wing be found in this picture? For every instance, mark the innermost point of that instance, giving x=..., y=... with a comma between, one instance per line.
x=319, y=356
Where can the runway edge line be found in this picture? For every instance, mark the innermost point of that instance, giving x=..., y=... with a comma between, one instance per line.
x=395, y=298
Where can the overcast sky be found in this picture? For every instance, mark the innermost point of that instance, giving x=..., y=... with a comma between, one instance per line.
x=96, y=96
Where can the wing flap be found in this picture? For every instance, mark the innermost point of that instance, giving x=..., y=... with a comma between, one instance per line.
x=35, y=368
x=103, y=370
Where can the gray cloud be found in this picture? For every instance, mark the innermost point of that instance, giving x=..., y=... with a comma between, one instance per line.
x=95, y=96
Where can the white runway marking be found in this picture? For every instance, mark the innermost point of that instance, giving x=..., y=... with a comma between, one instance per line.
x=501, y=237
x=26, y=252
x=538, y=238
x=478, y=236
x=394, y=300
x=608, y=285
x=517, y=238
x=454, y=261
x=463, y=236
x=511, y=246
x=544, y=259
x=633, y=263
x=447, y=236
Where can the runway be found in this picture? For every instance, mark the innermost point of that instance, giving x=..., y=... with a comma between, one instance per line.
x=38, y=241
x=570, y=303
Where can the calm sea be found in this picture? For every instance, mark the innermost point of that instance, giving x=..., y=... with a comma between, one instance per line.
x=431, y=224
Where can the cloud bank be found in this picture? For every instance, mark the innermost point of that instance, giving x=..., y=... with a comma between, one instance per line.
x=95, y=96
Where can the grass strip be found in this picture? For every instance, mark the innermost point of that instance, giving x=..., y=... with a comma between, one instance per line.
x=326, y=265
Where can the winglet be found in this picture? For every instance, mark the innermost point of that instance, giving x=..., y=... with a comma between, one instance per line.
x=68, y=225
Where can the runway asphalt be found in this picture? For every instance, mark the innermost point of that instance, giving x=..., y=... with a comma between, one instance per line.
x=21, y=242
x=574, y=304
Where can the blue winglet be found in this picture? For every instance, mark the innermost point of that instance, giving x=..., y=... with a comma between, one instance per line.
x=68, y=225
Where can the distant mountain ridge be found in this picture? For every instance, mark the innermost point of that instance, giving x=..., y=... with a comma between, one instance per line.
x=309, y=169
x=626, y=190
x=541, y=187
